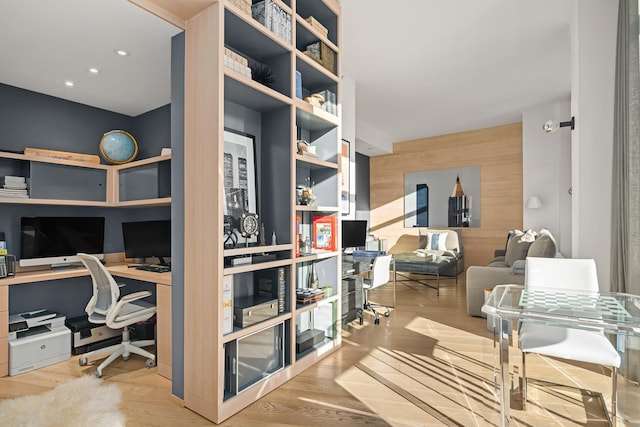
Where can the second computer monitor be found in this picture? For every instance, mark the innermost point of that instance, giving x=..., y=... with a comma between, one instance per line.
x=145, y=239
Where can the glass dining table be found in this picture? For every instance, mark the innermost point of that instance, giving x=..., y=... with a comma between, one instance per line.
x=612, y=313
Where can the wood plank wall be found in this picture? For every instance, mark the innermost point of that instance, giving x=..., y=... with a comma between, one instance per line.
x=498, y=152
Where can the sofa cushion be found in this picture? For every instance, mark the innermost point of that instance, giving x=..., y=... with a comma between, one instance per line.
x=518, y=246
x=438, y=240
x=544, y=246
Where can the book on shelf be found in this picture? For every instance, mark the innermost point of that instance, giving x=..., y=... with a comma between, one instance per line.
x=227, y=304
x=324, y=232
x=273, y=283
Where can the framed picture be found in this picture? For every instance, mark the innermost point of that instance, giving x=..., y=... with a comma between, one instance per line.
x=324, y=232
x=345, y=168
x=239, y=184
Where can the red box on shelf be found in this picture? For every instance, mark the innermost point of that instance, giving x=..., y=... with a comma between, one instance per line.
x=324, y=232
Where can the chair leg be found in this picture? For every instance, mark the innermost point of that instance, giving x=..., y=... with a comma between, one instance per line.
x=614, y=395
x=524, y=383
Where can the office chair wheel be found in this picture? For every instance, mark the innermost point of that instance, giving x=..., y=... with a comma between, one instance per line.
x=386, y=314
x=97, y=374
x=83, y=361
x=377, y=321
x=150, y=363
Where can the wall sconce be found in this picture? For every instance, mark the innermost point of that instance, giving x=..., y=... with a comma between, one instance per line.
x=551, y=126
x=534, y=202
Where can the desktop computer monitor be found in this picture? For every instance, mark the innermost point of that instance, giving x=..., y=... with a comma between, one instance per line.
x=55, y=241
x=354, y=234
x=146, y=239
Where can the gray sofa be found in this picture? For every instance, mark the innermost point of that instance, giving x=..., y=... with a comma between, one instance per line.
x=507, y=267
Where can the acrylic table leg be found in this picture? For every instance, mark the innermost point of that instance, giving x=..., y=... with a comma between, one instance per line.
x=505, y=402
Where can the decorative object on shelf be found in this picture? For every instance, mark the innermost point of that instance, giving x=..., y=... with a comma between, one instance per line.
x=315, y=99
x=324, y=232
x=345, y=163
x=306, y=247
x=263, y=241
x=308, y=295
x=263, y=75
x=328, y=291
x=249, y=225
x=317, y=25
x=230, y=238
x=64, y=155
x=118, y=147
x=331, y=104
x=322, y=54
x=298, y=84
x=305, y=195
x=312, y=276
x=306, y=149
x=239, y=181
x=274, y=241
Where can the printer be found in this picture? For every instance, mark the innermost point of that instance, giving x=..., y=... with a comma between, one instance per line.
x=36, y=339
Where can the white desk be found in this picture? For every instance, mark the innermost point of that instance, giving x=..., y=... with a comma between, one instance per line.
x=614, y=313
x=163, y=304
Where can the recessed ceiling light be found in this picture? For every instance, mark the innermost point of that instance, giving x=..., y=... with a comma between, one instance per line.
x=94, y=70
x=68, y=83
x=122, y=52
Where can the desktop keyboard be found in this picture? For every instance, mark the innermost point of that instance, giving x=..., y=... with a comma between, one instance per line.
x=156, y=268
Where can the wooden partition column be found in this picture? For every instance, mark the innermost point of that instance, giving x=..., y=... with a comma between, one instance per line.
x=498, y=152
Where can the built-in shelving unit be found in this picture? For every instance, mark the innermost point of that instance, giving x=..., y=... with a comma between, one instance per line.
x=63, y=182
x=246, y=332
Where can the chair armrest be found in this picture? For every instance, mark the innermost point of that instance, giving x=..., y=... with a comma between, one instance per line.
x=134, y=297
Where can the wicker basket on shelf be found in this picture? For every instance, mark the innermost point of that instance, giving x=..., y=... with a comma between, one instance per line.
x=322, y=54
x=317, y=25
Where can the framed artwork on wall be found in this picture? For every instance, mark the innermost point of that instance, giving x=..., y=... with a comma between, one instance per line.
x=345, y=196
x=240, y=194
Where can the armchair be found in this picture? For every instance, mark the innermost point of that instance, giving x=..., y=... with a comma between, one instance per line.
x=106, y=307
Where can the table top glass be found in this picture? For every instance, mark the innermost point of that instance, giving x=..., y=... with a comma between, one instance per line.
x=613, y=312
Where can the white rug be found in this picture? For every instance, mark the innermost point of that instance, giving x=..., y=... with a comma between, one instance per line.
x=85, y=401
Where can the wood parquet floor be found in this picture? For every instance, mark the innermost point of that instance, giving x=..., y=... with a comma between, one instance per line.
x=428, y=364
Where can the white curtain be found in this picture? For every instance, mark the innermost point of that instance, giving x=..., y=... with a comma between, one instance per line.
x=625, y=232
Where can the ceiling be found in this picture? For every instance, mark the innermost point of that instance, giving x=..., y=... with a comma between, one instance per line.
x=421, y=67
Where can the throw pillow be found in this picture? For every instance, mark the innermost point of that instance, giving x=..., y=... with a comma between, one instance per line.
x=518, y=246
x=544, y=246
x=438, y=241
x=433, y=241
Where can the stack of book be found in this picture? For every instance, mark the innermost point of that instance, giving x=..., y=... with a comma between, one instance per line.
x=272, y=16
x=13, y=186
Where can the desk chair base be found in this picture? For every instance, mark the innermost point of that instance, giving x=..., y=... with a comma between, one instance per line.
x=124, y=349
x=372, y=308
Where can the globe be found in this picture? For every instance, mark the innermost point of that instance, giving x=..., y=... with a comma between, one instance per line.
x=118, y=146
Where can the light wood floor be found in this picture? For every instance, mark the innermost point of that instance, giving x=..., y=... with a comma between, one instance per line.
x=428, y=364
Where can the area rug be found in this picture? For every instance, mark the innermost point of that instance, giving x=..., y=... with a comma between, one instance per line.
x=84, y=401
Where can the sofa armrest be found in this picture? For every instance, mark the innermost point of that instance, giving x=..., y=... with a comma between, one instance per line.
x=479, y=278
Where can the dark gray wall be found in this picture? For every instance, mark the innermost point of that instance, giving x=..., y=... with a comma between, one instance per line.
x=177, y=215
x=34, y=120
x=362, y=188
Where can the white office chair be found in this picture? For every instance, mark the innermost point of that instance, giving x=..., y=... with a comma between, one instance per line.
x=590, y=346
x=378, y=277
x=105, y=307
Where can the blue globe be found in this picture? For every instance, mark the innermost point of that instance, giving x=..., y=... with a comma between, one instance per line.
x=118, y=146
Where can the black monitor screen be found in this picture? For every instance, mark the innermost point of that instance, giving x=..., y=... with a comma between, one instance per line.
x=47, y=237
x=354, y=233
x=145, y=239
